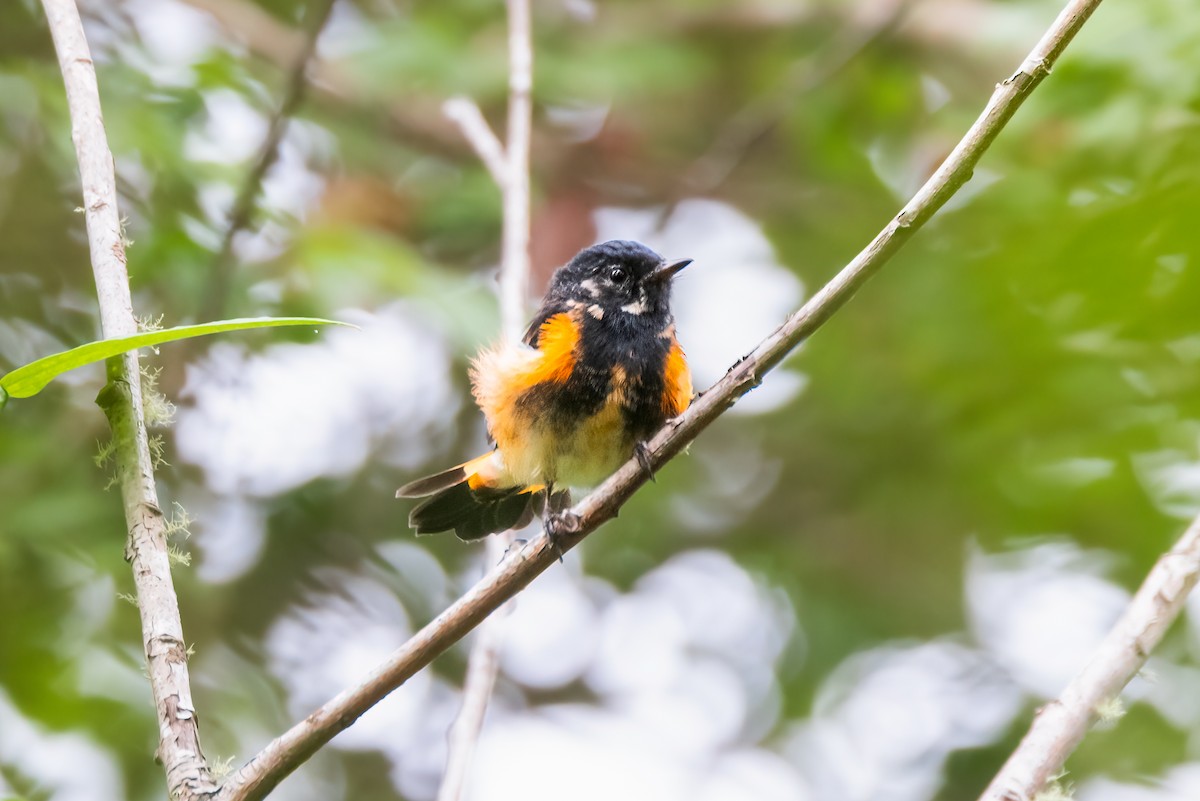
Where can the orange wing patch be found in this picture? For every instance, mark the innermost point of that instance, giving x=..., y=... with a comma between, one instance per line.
x=486, y=471
x=677, y=382
x=557, y=341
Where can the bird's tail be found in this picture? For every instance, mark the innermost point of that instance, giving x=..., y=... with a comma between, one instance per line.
x=469, y=499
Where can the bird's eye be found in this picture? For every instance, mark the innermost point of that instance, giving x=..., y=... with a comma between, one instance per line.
x=617, y=275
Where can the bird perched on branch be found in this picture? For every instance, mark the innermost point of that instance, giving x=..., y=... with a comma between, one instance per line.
x=598, y=371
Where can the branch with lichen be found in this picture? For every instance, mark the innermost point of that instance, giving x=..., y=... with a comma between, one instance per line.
x=188, y=775
x=1094, y=693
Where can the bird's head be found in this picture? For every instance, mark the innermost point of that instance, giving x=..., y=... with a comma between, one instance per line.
x=619, y=277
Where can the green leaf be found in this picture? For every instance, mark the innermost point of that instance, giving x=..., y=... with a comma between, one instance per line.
x=29, y=380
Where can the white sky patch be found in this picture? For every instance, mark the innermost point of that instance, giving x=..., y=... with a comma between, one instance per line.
x=331, y=641
x=691, y=652
x=290, y=187
x=1042, y=611
x=551, y=637
x=233, y=130
x=738, y=475
x=591, y=754
x=229, y=533
x=171, y=38
x=263, y=423
x=65, y=766
x=1172, y=480
x=734, y=294
x=885, y=721
x=682, y=664
x=1181, y=783
x=348, y=31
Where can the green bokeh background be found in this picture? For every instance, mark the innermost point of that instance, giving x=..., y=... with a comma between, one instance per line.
x=1011, y=376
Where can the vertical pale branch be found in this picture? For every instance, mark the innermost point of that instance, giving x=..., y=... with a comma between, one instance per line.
x=510, y=169
x=514, y=265
x=482, y=668
x=162, y=630
x=1061, y=724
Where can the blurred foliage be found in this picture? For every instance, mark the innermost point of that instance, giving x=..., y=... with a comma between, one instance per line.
x=1025, y=369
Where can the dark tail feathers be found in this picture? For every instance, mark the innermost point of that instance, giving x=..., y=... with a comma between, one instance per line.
x=472, y=514
x=433, y=484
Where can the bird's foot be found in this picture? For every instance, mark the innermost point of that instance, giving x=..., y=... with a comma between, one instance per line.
x=515, y=545
x=558, y=525
x=643, y=456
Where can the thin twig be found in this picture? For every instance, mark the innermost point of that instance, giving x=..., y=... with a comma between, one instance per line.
x=483, y=665
x=287, y=752
x=511, y=173
x=514, y=264
x=179, y=751
x=464, y=113
x=1061, y=725
x=243, y=205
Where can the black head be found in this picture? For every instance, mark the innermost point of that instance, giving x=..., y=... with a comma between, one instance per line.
x=618, y=277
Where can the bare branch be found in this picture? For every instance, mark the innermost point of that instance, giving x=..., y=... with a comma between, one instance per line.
x=292, y=748
x=243, y=205
x=463, y=112
x=162, y=631
x=1061, y=725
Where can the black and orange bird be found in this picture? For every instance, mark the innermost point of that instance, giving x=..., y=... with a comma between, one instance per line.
x=598, y=371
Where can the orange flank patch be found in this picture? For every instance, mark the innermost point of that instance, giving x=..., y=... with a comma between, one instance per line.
x=677, y=382
x=501, y=375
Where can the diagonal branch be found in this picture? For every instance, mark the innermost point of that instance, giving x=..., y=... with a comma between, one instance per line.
x=243, y=205
x=1061, y=725
x=179, y=751
x=282, y=756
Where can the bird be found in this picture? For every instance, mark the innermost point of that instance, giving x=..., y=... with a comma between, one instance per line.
x=597, y=372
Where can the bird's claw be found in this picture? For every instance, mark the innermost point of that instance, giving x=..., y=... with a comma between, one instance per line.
x=558, y=525
x=518, y=544
x=643, y=456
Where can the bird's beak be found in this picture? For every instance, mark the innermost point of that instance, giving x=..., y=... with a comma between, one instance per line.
x=667, y=270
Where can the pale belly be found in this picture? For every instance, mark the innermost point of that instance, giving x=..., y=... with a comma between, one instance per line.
x=582, y=457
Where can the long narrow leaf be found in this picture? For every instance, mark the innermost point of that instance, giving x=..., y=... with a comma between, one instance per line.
x=30, y=379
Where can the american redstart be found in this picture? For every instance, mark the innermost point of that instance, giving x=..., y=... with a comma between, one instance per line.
x=598, y=371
